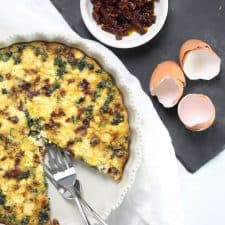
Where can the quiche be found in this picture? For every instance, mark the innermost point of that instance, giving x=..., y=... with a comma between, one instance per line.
x=52, y=93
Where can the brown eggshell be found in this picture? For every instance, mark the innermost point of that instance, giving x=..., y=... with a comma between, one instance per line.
x=191, y=45
x=165, y=69
x=204, y=125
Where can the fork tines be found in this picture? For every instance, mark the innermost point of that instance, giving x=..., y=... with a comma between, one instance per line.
x=58, y=159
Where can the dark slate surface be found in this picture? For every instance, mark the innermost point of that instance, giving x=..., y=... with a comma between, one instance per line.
x=203, y=19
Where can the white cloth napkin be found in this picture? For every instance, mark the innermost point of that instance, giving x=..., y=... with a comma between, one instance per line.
x=31, y=16
x=155, y=197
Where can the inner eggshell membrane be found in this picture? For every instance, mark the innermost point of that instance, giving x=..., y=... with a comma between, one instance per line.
x=195, y=109
x=201, y=64
x=167, y=92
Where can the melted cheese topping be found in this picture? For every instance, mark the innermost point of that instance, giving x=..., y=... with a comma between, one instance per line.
x=52, y=93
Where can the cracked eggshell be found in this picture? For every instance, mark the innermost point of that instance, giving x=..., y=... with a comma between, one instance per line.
x=197, y=112
x=198, y=60
x=167, y=83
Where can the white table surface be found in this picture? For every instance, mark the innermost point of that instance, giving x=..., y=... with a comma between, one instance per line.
x=203, y=193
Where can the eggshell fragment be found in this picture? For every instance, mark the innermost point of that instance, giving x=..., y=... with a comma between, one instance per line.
x=198, y=60
x=196, y=112
x=167, y=83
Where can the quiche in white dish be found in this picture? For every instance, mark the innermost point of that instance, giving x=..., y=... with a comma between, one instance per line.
x=50, y=92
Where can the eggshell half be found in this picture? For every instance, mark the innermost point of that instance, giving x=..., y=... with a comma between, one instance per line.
x=198, y=60
x=167, y=83
x=197, y=112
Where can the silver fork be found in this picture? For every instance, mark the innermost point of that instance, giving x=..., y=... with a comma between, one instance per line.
x=64, y=173
x=68, y=196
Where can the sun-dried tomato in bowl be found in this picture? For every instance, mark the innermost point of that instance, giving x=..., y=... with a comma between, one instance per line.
x=121, y=17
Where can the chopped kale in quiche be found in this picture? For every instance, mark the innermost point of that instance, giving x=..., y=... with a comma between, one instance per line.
x=53, y=93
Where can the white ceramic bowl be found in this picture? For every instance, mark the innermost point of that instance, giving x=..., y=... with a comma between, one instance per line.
x=131, y=41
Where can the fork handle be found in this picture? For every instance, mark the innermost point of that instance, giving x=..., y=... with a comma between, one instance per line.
x=93, y=212
x=80, y=207
x=82, y=212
